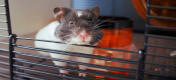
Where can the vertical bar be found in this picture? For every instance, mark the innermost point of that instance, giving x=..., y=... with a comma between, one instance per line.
x=12, y=41
x=142, y=56
x=147, y=23
x=8, y=17
x=141, y=65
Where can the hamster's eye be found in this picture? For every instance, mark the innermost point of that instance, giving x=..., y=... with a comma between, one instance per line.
x=70, y=22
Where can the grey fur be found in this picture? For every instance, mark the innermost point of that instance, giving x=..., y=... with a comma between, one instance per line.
x=71, y=24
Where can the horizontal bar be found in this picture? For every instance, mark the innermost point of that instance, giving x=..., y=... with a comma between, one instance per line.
x=16, y=78
x=78, y=63
x=6, y=43
x=2, y=13
x=157, y=55
x=82, y=71
x=4, y=75
x=159, y=74
x=4, y=63
x=3, y=21
x=3, y=29
x=149, y=78
x=50, y=73
x=161, y=17
x=161, y=65
x=157, y=77
x=161, y=7
x=4, y=50
x=5, y=36
x=113, y=49
x=4, y=56
x=2, y=5
x=161, y=27
x=161, y=37
x=4, y=69
x=159, y=46
x=78, y=54
x=161, y=30
x=22, y=74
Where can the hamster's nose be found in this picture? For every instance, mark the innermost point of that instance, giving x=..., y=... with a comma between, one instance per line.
x=83, y=35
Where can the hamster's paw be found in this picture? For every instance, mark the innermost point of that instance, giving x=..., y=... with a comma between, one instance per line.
x=82, y=74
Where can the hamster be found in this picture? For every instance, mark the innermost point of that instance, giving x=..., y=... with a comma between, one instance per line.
x=71, y=27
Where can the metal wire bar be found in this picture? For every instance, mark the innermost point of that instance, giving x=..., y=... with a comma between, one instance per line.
x=113, y=49
x=161, y=27
x=8, y=16
x=140, y=65
x=40, y=61
x=6, y=43
x=4, y=75
x=3, y=21
x=77, y=63
x=162, y=7
x=22, y=74
x=142, y=53
x=83, y=71
x=3, y=29
x=16, y=78
x=161, y=65
x=12, y=40
x=2, y=5
x=147, y=78
x=156, y=55
x=5, y=36
x=162, y=17
x=78, y=54
x=161, y=37
x=4, y=63
x=160, y=74
x=2, y=13
x=3, y=56
x=159, y=46
x=4, y=50
x=4, y=69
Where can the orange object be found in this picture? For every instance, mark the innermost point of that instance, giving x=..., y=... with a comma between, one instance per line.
x=140, y=6
x=114, y=38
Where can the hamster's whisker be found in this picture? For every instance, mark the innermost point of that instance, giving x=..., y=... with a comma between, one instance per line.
x=100, y=23
x=67, y=35
x=98, y=26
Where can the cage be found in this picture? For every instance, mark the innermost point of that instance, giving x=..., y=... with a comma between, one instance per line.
x=118, y=60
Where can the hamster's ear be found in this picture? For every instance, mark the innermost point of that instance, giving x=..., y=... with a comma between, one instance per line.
x=59, y=13
x=95, y=11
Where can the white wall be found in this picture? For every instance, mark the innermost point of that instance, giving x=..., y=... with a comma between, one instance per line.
x=28, y=16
